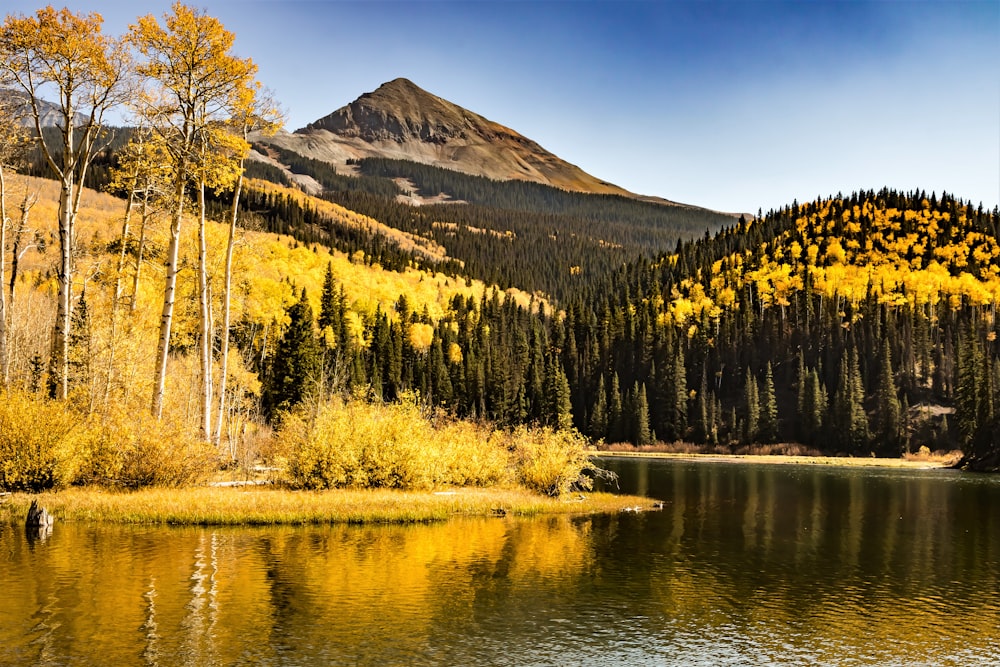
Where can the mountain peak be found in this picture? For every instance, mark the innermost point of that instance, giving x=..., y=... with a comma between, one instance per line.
x=400, y=120
x=399, y=111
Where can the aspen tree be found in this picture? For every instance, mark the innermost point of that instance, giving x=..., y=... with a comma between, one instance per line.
x=12, y=141
x=141, y=169
x=252, y=112
x=65, y=55
x=195, y=81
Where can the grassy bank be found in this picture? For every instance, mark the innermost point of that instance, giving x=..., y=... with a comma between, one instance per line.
x=269, y=505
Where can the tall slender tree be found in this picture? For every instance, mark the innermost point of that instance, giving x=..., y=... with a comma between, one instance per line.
x=887, y=413
x=599, y=413
x=13, y=141
x=751, y=408
x=768, y=408
x=68, y=56
x=194, y=84
x=251, y=110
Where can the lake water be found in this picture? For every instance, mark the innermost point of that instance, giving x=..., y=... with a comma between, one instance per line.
x=745, y=565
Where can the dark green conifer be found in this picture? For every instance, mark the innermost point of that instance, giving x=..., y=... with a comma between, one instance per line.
x=768, y=408
x=887, y=402
x=296, y=363
x=560, y=409
x=616, y=425
x=599, y=413
x=642, y=435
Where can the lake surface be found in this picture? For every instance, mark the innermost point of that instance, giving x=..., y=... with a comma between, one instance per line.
x=745, y=565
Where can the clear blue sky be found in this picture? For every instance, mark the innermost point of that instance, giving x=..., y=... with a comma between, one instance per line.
x=731, y=105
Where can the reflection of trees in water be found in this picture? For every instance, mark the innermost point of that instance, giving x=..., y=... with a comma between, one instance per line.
x=835, y=560
x=868, y=554
x=150, y=629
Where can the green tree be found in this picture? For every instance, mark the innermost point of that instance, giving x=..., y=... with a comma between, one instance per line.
x=814, y=407
x=296, y=362
x=850, y=418
x=329, y=315
x=968, y=387
x=677, y=394
x=703, y=407
x=642, y=435
x=599, y=414
x=888, y=414
x=768, y=408
x=616, y=421
x=751, y=408
x=557, y=396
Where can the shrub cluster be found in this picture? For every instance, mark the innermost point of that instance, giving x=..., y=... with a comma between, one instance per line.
x=44, y=444
x=134, y=451
x=551, y=462
x=358, y=444
x=39, y=443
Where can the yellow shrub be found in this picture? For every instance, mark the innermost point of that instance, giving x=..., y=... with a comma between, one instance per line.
x=471, y=455
x=360, y=445
x=551, y=462
x=38, y=442
x=396, y=446
x=134, y=451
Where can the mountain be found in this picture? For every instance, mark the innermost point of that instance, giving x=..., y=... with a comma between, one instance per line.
x=49, y=113
x=402, y=121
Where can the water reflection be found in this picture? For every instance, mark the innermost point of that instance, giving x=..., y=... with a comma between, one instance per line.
x=744, y=565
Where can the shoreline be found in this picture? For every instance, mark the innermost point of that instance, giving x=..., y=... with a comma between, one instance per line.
x=260, y=505
x=787, y=459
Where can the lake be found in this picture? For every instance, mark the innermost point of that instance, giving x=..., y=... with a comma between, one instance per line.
x=744, y=565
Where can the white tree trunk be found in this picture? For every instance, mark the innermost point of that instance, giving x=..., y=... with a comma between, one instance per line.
x=64, y=312
x=206, y=320
x=226, y=296
x=169, y=290
x=4, y=361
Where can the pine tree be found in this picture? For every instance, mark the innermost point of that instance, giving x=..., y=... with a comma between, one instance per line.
x=616, y=426
x=887, y=402
x=751, y=408
x=850, y=418
x=80, y=346
x=296, y=362
x=557, y=394
x=967, y=388
x=677, y=395
x=701, y=411
x=328, y=311
x=801, y=380
x=642, y=435
x=813, y=407
x=768, y=408
x=599, y=414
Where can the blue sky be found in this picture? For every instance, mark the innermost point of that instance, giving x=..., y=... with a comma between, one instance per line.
x=730, y=105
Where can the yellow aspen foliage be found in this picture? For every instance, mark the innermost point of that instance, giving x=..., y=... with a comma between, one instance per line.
x=421, y=336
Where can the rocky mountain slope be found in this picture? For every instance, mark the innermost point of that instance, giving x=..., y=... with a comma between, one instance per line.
x=400, y=120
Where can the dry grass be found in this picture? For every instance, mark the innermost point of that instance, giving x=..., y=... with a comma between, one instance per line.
x=269, y=505
x=925, y=455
